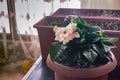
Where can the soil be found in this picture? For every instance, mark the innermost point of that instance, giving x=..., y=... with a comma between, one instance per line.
x=104, y=24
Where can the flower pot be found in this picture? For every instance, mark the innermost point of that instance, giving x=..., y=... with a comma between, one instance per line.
x=62, y=72
x=110, y=31
x=87, y=12
x=48, y=1
x=46, y=34
x=116, y=51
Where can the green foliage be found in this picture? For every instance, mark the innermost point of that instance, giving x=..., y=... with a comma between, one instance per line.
x=91, y=49
x=68, y=19
x=90, y=55
x=54, y=48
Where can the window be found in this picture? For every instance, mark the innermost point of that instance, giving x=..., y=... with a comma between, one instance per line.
x=4, y=22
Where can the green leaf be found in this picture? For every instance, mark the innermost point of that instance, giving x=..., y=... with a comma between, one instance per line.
x=54, y=47
x=81, y=22
x=92, y=37
x=108, y=47
x=99, y=47
x=109, y=41
x=108, y=56
x=75, y=19
x=101, y=33
x=90, y=55
x=82, y=40
x=68, y=19
x=93, y=28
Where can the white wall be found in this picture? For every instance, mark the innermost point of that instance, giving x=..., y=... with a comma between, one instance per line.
x=101, y=4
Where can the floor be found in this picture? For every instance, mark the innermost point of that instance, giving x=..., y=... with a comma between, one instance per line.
x=14, y=71
x=11, y=71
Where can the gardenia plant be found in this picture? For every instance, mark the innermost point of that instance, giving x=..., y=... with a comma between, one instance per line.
x=81, y=45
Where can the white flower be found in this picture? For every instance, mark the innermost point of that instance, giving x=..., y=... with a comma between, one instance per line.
x=70, y=37
x=59, y=33
x=71, y=28
x=65, y=34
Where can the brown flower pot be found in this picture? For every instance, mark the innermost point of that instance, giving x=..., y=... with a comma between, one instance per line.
x=116, y=51
x=62, y=72
x=46, y=34
x=87, y=12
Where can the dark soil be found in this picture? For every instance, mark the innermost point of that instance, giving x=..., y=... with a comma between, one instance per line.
x=104, y=24
x=106, y=13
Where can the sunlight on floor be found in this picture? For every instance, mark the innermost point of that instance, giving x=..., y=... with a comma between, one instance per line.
x=12, y=71
x=13, y=76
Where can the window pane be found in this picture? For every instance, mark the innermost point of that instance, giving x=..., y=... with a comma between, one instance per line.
x=27, y=14
x=4, y=21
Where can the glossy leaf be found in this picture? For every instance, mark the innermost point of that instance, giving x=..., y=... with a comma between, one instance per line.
x=90, y=55
x=54, y=50
x=92, y=37
x=75, y=19
x=81, y=22
x=69, y=19
x=93, y=28
x=109, y=41
x=92, y=48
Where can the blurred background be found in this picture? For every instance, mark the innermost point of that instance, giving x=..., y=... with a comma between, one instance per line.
x=19, y=43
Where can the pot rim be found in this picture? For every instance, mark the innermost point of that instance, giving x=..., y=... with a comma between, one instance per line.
x=82, y=72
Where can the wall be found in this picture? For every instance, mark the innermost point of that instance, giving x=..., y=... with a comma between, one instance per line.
x=101, y=4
